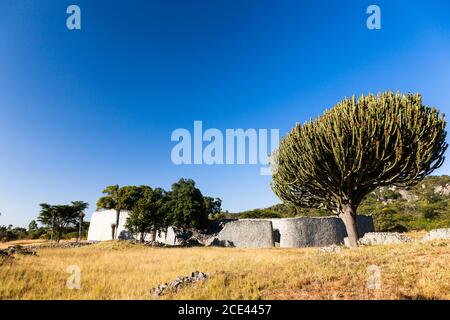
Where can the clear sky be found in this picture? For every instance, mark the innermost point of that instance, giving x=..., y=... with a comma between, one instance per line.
x=87, y=108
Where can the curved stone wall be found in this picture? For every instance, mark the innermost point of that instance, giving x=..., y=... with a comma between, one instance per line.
x=316, y=231
x=251, y=233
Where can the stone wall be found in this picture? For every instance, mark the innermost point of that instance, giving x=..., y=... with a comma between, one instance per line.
x=248, y=233
x=316, y=231
x=100, y=225
x=100, y=228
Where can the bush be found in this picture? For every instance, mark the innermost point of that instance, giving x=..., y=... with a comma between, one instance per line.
x=44, y=236
x=70, y=235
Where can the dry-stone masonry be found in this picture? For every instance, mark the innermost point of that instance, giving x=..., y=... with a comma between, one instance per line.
x=243, y=233
x=437, y=234
x=315, y=231
x=251, y=233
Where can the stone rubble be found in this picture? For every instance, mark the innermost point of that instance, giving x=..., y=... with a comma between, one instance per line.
x=179, y=283
x=31, y=249
x=18, y=249
x=154, y=244
x=374, y=238
x=61, y=245
x=331, y=249
x=216, y=242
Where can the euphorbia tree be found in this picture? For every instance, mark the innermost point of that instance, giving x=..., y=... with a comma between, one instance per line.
x=360, y=144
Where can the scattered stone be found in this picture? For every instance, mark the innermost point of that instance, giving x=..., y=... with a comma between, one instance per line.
x=18, y=249
x=61, y=245
x=179, y=283
x=154, y=244
x=374, y=238
x=331, y=249
x=437, y=234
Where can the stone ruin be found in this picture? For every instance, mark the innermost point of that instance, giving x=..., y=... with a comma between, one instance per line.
x=242, y=233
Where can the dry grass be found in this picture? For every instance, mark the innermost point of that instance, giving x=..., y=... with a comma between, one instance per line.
x=113, y=270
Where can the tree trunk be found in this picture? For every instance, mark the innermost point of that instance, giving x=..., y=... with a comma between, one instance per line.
x=153, y=235
x=113, y=229
x=117, y=224
x=80, y=222
x=53, y=228
x=348, y=216
x=59, y=233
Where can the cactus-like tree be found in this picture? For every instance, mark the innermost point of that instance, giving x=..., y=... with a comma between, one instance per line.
x=360, y=144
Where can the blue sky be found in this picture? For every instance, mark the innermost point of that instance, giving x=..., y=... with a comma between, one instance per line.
x=84, y=109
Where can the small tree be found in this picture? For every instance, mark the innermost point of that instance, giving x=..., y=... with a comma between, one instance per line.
x=32, y=226
x=80, y=207
x=147, y=215
x=58, y=218
x=118, y=199
x=334, y=161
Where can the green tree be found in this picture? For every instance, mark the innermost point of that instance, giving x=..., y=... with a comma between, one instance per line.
x=186, y=207
x=80, y=207
x=334, y=161
x=58, y=218
x=32, y=226
x=213, y=206
x=118, y=199
x=148, y=213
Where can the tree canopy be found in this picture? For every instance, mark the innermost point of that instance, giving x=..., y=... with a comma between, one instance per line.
x=186, y=207
x=148, y=213
x=60, y=216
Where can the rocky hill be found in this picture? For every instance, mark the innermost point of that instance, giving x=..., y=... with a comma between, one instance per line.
x=423, y=206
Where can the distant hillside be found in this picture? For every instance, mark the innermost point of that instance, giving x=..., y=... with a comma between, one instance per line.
x=424, y=206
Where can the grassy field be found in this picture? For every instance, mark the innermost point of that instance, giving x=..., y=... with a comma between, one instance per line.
x=118, y=270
